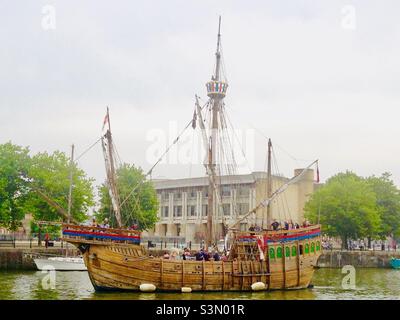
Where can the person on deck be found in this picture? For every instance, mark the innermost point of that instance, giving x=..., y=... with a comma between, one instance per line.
x=106, y=224
x=286, y=224
x=200, y=255
x=275, y=225
x=216, y=256
x=166, y=255
x=206, y=256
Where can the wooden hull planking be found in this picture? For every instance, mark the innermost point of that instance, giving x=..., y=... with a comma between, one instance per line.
x=126, y=267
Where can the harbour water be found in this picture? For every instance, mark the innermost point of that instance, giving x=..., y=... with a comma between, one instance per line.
x=370, y=283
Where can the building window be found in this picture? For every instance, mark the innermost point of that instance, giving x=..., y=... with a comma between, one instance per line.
x=177, y=211
x=164, y=211
x=294, y=251
x=243, y=208
x=177, y=195
x=204, y=210
x=243, y=191
x=226, y=191
x=164, y=195
x=191, y=211
x=192, y=194
x=226, y=209
x=178, y=230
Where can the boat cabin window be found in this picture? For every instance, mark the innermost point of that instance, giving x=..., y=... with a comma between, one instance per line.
x=300, y=249
x=312, y=247
x=307, y=248
x=279, y=252
x=318, y=246
x=272, y=253
x=287, y=252
x=294, y=251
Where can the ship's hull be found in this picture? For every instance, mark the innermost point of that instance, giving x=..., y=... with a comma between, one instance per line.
x=125, y=268
x=115, y=260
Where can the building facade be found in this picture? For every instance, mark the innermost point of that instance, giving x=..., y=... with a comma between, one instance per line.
x=183, y=203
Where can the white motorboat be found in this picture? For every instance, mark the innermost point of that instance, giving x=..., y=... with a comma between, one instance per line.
x=61, y=264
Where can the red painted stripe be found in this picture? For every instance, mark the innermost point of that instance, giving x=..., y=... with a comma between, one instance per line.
x=283, y=236
x=295, y=235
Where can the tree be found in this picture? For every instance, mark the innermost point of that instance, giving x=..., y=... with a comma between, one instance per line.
x=140, y=207
x=50, y=173
x=346, y=207
x=14, y=192
x=388, y=201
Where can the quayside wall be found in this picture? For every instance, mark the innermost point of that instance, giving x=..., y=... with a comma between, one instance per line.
x=358, y=259
x=22, y=259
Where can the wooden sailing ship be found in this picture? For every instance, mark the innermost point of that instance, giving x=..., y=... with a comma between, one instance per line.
x=276, y=259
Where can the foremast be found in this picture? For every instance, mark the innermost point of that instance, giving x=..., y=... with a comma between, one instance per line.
x=109, y=161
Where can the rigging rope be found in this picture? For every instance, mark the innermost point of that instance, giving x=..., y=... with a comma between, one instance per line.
x=160, y=159
x=90, y=147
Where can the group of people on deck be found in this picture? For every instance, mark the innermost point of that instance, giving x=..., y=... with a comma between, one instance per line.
x=284, y=225
x=105, y=223
x=201, y=255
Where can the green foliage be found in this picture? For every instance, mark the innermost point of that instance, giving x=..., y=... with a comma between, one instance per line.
x=50, y=172
x=53, y=231
x=14, y=162
x=19, y=173
x=141, y=207
x=348, y=208
x=388, y=201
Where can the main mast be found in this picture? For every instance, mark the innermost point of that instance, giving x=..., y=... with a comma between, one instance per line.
x=216, y=90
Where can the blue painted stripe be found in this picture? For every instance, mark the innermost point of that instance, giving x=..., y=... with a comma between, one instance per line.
x=102, y=237
x=295, y=239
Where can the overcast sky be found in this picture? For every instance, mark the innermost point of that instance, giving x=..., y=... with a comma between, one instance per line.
x=321, y=78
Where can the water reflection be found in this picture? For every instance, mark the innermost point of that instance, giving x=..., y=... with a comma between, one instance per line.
x=370, y=284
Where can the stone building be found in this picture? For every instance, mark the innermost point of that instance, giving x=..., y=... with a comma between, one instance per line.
x=183, y=203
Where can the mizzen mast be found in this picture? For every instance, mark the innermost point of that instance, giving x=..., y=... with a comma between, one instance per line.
x=269, y=183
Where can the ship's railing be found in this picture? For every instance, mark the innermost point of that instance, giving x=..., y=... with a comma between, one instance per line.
x=278, y=232
x=270, y=236
x=90, y=233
